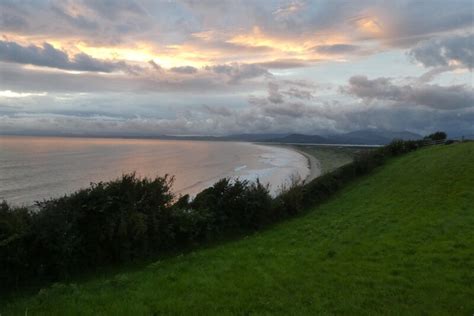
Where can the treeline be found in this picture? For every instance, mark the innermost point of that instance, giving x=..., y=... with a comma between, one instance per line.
x=129, y=218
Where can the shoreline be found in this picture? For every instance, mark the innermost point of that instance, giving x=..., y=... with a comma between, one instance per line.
x=272, y=164
x=313, y=164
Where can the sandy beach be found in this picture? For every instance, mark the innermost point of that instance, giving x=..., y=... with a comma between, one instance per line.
x=314, y=165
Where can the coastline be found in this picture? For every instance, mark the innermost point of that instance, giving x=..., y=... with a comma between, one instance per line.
x=313, y=164
x=195, y=165
x=323, y=159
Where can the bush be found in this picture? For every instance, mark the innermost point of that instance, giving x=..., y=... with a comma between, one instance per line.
x=234, y=205
x=15, y=255
x=437, y=136
x=290, y=199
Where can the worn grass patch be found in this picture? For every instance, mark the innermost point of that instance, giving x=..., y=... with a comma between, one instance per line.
x=399, y=241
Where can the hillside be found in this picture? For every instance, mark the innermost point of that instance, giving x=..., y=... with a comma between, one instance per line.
x=399, y=241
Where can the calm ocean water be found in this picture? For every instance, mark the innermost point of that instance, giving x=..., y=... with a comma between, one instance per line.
x=35, y=168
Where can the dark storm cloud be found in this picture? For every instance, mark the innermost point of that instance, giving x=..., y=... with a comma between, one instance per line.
x=458, y=49
x=433, y=96
x=48, y=56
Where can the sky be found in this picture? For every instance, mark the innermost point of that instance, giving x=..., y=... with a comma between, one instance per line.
x=197, y=67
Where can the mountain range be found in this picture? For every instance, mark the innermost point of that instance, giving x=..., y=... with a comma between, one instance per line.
x=361, y=137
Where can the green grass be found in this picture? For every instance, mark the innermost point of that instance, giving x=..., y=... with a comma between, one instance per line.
x=399, y=242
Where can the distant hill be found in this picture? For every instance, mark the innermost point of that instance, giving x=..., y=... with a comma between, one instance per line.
x=362, y=137
x=252, y=137
x=300, y=138
x=372, y=137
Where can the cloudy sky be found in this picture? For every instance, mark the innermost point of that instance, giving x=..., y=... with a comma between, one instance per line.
x=200, y=67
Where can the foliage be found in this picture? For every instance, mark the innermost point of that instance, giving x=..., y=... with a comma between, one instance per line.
x=128, y=218
x=396, y=242
x=437, y=136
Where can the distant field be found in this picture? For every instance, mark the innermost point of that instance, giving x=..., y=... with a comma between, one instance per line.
x=397, y=242
x=330, y=157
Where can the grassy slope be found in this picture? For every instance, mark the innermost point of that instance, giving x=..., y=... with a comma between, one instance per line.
x=400, y=241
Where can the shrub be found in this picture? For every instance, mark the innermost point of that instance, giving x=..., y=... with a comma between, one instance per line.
x=15, y=232
x=234, y=205
x=290, y=198
x=437, y=136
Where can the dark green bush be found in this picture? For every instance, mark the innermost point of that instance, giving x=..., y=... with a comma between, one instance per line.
x=290, y=198
x=234, y=205
x=15, y=253
x=437, y=136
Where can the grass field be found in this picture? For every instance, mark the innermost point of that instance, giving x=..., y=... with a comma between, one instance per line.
x=330, y=157
x=399, y=242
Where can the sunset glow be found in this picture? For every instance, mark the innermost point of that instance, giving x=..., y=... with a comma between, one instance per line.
x=183, y=67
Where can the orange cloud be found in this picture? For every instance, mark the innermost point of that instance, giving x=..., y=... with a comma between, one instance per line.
x=370, y=26
x=257, y=38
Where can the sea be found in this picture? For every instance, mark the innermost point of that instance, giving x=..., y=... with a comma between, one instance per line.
x=37, y=168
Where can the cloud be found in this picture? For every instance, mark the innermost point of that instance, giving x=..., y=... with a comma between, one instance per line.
x=299, y=93
x=278, y=92
x=454, y=50
x=48, y=56
x=78, y=20
x=177, y=52
x=408, y=22
x=336, y=49
x=217, y=110
x=433, y=96
x=290, y=34
x=111, y=9
x=114, y=116
x=237, y=72
x=274, y=96
x=292, y=117
x=155, y=66
x=187, y=70
x=286, y=63
x=12, y=22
